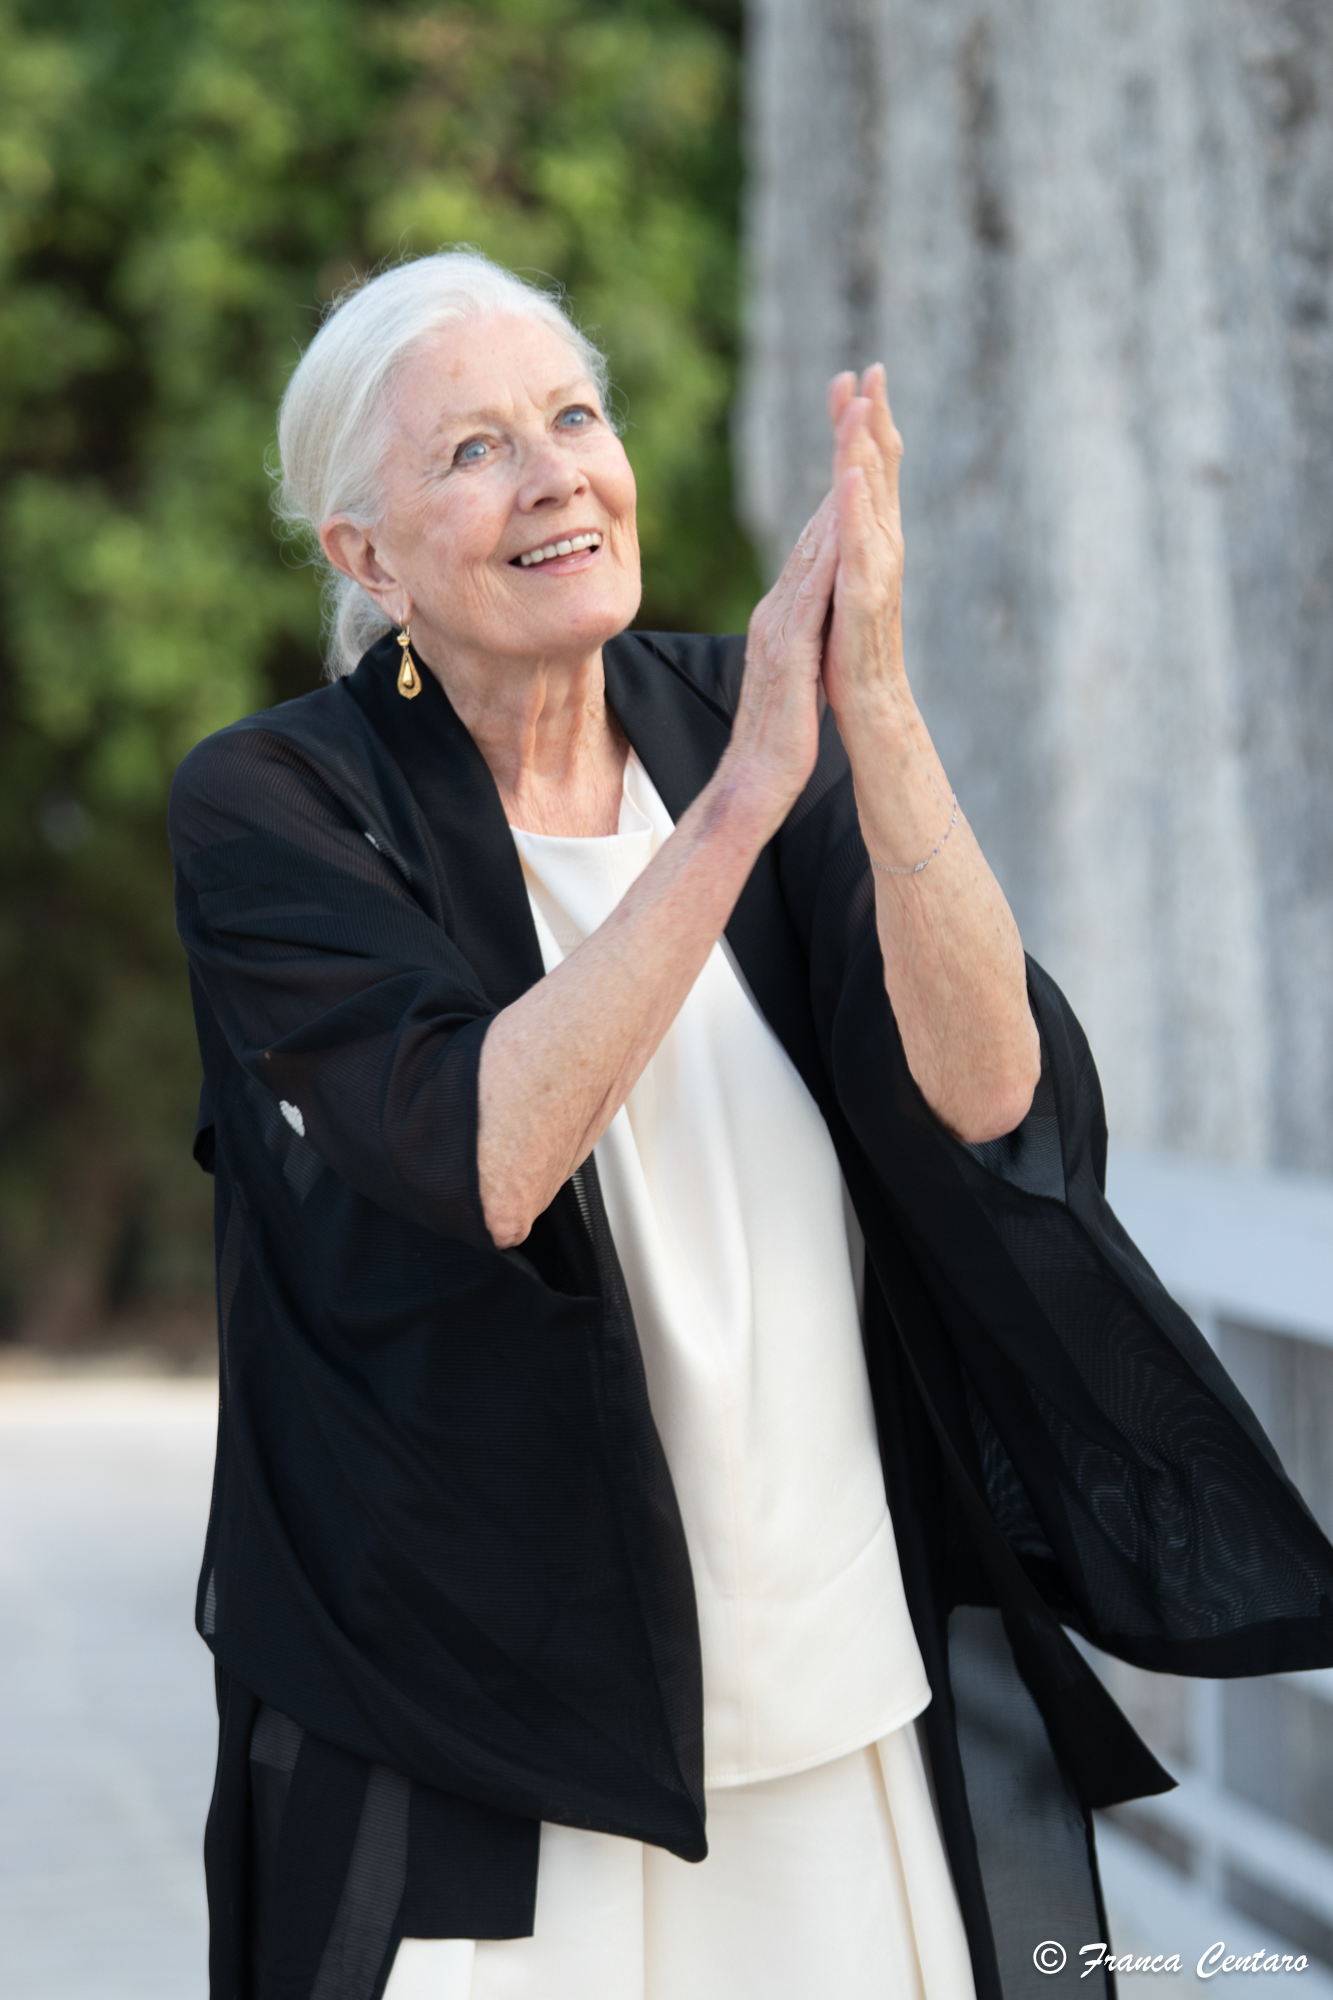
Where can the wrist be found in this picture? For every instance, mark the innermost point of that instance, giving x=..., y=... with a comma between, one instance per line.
x=887, y=744
x=746, y=802
x=882, y=713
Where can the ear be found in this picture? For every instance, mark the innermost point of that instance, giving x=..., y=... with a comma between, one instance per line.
x=350, y=548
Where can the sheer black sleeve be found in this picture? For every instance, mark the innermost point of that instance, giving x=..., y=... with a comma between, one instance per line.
x=336, y=989
x=1124, y=1463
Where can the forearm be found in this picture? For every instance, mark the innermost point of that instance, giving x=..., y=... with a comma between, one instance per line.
x=953, y=958
x=558, y=1064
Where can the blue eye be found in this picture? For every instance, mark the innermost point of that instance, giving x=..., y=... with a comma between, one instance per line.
x=468, y=454
x=576, y=418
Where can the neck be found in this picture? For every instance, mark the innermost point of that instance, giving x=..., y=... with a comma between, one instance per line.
x=548, y=738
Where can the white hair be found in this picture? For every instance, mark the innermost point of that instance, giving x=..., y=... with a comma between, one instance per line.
x=334, y=422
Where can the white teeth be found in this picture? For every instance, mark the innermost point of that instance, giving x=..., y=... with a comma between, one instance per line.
x=561, y=548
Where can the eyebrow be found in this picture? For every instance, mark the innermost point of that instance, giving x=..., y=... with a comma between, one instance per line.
x=469, y=418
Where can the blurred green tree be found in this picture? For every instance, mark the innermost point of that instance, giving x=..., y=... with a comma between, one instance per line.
x=184, y=184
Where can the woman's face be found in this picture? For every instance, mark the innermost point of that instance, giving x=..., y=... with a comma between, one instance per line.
x=500, y=456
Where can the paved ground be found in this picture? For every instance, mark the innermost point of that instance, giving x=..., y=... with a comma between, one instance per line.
x=106, y=1716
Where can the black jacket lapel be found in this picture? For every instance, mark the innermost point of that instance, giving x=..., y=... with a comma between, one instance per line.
x=487, y=910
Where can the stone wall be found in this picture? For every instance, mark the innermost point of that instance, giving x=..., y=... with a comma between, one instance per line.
x=1092, y=241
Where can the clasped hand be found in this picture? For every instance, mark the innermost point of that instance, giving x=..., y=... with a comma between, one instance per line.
x=832, y=622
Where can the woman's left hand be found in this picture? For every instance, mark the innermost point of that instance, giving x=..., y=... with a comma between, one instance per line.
x=864, y=655
x=953, y=960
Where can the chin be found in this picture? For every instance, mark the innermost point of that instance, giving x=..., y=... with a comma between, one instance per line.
x=588, y=624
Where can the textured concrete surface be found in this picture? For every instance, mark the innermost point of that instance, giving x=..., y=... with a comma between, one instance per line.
x=1092, y=241
x=106, y=1713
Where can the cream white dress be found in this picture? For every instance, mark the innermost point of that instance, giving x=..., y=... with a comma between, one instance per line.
x=826, y=1873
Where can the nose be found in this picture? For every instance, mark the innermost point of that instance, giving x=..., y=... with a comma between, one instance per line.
x=551, y=475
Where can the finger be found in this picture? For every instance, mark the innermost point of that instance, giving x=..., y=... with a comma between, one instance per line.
x=874, y=384
x=874, y=388
x=857, y=445
x=807, y=543
x=857, y=526
x=779, y=607
x=804, y=553
x=805, y=549
x=861, y=542
x=801, y=613
x=846, y=449
x=815, y=595
x=840, y=392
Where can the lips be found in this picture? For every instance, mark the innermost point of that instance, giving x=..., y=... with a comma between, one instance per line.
x=563, y=545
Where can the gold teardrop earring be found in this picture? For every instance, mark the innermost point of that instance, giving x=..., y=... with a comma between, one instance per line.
x=409, y=680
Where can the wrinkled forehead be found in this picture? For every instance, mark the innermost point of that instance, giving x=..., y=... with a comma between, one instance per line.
x=496, y=367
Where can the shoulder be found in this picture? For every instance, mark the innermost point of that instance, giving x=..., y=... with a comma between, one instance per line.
x=706, y=664
x=319, y=725
x=310, y=751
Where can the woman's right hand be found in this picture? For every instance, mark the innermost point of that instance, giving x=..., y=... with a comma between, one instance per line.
x=775, y=737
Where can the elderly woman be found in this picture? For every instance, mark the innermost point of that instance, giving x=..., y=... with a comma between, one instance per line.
x=641, y=1146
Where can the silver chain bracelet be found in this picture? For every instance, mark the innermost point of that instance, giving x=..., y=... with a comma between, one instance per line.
x=887, y=868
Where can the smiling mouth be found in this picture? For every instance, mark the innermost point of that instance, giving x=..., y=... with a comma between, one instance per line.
x=570, y=545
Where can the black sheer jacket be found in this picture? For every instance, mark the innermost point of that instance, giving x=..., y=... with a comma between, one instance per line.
x=445, y=1581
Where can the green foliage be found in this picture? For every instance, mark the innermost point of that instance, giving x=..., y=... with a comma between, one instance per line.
x=184, y=184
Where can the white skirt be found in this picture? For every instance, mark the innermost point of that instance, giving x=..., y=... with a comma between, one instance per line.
x=834, y=1881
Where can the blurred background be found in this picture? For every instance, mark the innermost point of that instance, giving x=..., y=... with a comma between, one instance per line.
x=1093, y=242
x=184, y=189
